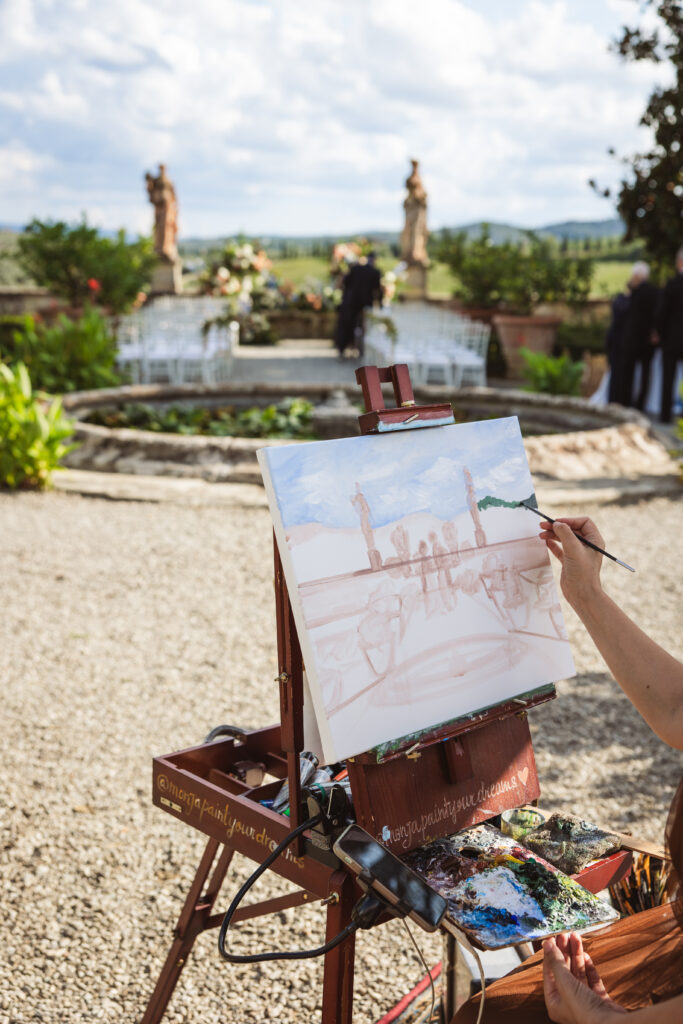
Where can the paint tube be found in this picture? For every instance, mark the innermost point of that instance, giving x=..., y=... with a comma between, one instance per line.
x=308, y=764
x=325, y=774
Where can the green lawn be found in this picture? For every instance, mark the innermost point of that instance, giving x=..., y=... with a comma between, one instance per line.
x=297, y=270
x=610, y=277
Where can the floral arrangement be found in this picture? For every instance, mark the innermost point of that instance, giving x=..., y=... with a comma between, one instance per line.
x=344, y=255
x=255, y=328
x=389, y=284
x=314, y=296
x=241, y=268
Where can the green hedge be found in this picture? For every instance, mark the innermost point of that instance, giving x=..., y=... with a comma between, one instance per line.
x=70, y=355
x=33, y=431
x=579, y=338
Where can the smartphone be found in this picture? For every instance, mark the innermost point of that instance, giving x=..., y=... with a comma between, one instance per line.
x=381, y=871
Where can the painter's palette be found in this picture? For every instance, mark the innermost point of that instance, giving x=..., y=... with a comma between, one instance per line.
x=500, y=893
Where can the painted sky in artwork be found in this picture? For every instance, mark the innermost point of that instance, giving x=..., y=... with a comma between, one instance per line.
x=400, y=474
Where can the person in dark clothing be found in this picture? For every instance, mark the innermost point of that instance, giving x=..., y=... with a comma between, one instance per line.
x=637, y=340
x=362, y=287
x=613, y=340
x=669, y=323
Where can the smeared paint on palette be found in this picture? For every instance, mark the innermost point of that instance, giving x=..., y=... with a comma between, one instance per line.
x=570, y=843
x=500, y=893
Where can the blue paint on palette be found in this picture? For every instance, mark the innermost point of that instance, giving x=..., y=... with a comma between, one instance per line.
x=500, y=892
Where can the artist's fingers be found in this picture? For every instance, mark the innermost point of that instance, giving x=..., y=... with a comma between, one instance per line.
x=571, y=545
x=578, y=957
x=585, y=527
x=573, y=548
x=555, y=547
x=593, y=979
x=562, y=943
x=550, y=993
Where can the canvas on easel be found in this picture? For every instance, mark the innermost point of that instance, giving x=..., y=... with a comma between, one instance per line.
x=419, y=586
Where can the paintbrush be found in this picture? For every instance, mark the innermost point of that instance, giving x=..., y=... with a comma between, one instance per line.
x=588, y=543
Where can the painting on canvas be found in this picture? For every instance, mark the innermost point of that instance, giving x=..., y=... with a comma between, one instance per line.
x=420, y=588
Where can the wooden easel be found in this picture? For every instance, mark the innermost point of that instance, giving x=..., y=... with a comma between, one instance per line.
x=424, y=787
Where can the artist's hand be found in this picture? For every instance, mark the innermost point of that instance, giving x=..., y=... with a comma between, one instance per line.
x=573, y=990
x=580, y=576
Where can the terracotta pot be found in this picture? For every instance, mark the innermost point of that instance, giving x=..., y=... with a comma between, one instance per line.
x=485, y=314
x=536, y=333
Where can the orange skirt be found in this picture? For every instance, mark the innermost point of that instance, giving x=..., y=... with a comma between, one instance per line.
x=640, y=960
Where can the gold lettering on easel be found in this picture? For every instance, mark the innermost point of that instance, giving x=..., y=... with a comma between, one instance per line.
x=416, y=830
x=191, y=803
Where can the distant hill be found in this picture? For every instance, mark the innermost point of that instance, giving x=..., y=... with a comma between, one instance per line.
x=572, y=230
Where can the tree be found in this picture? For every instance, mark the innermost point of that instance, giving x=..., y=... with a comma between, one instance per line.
x=79, y=264
x=650, y=199
x=512, y=276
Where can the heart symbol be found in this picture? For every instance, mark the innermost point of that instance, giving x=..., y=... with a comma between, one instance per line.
x=524, y=775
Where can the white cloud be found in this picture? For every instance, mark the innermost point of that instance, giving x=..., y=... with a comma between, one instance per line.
x=510, y=472
x=276, y=116
x=20, y=166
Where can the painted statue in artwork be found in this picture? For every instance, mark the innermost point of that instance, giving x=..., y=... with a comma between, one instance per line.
x=420, y=587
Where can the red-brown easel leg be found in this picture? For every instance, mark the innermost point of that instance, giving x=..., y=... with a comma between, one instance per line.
x=339, y=962
x=193, y=919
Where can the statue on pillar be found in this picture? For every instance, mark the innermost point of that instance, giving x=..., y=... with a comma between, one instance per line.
x=414, y=234
x=167, y=276
x=360, y=503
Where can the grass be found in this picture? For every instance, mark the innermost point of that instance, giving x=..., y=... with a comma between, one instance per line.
x=297, y=270
x=610, y=277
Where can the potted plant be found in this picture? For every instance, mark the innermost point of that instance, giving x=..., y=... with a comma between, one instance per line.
x=510, y=280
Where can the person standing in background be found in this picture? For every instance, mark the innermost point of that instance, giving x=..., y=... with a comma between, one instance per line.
x=614, y=343
x=638, y=335
x=362, y=287
x=669, y=323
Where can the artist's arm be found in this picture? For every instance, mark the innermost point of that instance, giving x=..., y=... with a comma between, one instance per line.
x=575, y=994
x=650, y=677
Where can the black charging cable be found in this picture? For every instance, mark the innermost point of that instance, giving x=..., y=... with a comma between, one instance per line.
x=363, y=915
x=235, y=731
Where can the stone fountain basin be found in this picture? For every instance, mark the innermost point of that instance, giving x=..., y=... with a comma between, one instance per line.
x=569, y=439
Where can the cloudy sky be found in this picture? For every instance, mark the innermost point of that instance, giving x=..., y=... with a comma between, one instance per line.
x=300, y=116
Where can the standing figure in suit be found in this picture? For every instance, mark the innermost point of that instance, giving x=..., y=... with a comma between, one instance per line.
x=669, y=322
x=637, y=339
x=614, y=344
x=362, y=287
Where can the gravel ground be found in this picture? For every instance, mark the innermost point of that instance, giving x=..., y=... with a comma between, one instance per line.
x=128, y=630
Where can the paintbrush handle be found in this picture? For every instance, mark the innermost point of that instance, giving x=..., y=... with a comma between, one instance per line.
x=588, y=543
